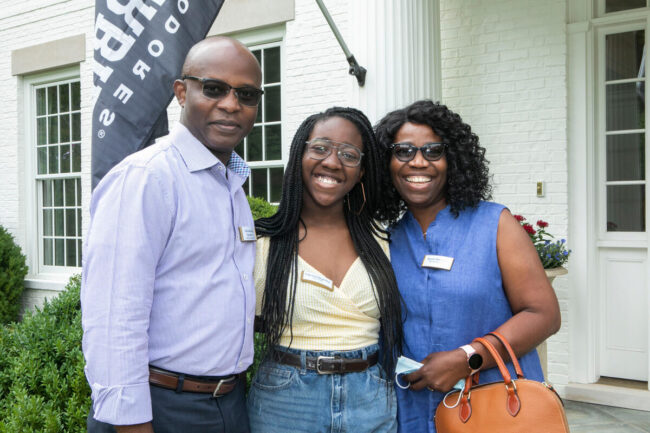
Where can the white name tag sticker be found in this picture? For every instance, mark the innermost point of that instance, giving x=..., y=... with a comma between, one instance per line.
x=437, y=262
x=317, y=280
x=247, y=234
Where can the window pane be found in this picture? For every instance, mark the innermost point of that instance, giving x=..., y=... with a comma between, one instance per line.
x=65, y=158
x=51, y=100
x=70, y=222
x=64, y=127
x=75, y=95
x=47, y=252
x=255, y=144
x=626, y=208
x=626, y=157
x=78, y=222
x=47, y=222
x=258, y=118
x=276, y=183
x=258, y=183
x=272, y=65
x=258, y=55
x=273, y=142
x=78, y=189
x=64, y=98
x=622, y=5
x=624, y=55
x=69, y=192
x=76, y=127
x=58, y=192
x=41, y=131
x=245, y=186
x=58, y=222
x=53, y=157
x=75, y=150
x=625, y=106
x=40, y=102
x=53, y=129
x=47, y=193
x=42, y=160
x=71, y=252
x=79, y=243
x=272, y=104
x=59, y=252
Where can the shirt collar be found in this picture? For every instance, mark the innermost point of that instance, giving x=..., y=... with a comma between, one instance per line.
x=197, y=157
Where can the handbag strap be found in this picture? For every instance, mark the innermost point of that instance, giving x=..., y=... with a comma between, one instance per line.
x=513, y=404
x=513, y=357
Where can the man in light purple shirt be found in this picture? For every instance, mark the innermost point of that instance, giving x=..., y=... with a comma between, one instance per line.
x=167, y=294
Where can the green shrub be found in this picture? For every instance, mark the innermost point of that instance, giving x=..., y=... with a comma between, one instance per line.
x=261, y=208
x=12, y=277
x=42, y=383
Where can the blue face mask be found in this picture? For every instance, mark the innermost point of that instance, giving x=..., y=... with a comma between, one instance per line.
x=406, y=365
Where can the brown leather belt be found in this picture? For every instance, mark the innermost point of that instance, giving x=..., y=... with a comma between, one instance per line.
x=327, y=364
x=169, y=380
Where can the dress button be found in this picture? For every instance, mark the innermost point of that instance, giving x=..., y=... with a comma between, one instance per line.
x=245, y=277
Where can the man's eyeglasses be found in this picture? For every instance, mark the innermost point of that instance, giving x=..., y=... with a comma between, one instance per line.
x=405, y=152
x=321, y=148
x=217, y=89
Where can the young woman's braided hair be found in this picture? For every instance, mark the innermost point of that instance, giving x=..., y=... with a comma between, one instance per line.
x=282, y=228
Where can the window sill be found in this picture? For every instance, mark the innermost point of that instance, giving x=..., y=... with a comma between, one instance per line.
x=53, y=282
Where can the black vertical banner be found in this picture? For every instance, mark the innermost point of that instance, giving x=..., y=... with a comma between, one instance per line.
x=139, y=48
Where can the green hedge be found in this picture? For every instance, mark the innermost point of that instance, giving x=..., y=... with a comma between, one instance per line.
x=42, y=384
x=43, y=388
x=12, y=277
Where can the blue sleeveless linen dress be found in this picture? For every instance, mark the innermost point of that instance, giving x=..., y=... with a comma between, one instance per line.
x=447, y=309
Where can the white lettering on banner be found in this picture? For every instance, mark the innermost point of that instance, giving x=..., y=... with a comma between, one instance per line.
x=102, y=71
x=156, y=48
x=183, y=6
x=123, y=93
x=111, y=32
x=172, y=25
x=128, y=11
x=106, y=117
x=140, y=69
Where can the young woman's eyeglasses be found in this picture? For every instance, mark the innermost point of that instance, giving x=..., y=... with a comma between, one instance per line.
x=217, y=89
x=320, y=148
x=405, y=152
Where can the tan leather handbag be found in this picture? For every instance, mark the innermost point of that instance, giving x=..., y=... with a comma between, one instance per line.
x=512, y=406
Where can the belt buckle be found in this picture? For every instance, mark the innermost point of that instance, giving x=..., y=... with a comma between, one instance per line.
x=318, y=361
x=216, y=390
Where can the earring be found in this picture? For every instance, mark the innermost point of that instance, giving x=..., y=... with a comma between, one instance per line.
x=363, y=192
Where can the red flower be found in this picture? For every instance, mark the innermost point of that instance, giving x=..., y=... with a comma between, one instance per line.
x=529, y=229
x=542, y=224
x=519, y=218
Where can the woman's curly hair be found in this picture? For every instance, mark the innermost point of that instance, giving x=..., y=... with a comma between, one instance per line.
x=467, y=170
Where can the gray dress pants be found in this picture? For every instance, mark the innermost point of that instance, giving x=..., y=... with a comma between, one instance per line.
x=189, y=412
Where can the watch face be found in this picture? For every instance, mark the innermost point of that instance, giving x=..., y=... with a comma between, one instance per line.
x=475, y=361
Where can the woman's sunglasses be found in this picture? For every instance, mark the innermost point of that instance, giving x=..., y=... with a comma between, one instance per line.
x=430, y=151
x=217, y=89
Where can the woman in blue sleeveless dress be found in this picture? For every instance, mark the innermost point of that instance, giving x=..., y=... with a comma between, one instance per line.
x=464, y=266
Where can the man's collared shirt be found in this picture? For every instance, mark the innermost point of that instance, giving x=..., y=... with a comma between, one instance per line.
x=167, y=280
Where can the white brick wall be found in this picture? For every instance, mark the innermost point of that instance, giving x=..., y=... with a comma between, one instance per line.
x=23, y=24
x=504, y=72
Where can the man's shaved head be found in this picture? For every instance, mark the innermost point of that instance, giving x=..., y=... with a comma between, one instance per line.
x=220, y=123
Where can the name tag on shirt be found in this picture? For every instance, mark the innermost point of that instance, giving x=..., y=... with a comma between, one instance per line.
x=247, y=234
x=317, y=280
x=437, y=262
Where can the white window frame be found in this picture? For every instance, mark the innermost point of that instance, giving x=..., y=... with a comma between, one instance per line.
x=600, y=9
x=40, y=276
x=604, y=236
x=260, y=39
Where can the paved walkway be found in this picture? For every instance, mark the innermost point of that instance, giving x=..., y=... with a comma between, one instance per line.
x=585, y=417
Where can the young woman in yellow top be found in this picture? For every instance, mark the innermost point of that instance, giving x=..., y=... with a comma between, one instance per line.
x=327, y=295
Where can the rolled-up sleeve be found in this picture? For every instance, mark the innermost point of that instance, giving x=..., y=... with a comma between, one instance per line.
x=131, y=219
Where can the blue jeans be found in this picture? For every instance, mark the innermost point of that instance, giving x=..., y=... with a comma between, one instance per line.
x=284, y=399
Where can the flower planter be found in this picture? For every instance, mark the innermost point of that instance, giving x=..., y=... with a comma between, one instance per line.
x=541, y=349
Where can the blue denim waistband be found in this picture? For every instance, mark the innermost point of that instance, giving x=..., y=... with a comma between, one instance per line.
x=362, y=353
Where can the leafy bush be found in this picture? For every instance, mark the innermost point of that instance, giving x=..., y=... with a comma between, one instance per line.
x=12, y=277
x=42, y=383
x=261, y=208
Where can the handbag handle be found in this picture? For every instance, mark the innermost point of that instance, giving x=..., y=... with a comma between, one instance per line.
x=513, y=357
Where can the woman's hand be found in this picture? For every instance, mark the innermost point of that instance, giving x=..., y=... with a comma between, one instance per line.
x=440, y=372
